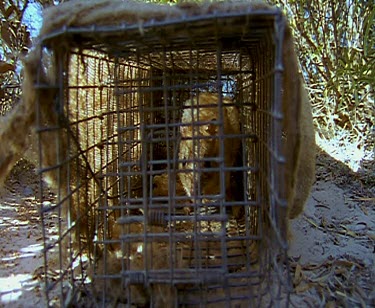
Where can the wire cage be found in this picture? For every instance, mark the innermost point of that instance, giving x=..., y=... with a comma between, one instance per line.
x=165, y=149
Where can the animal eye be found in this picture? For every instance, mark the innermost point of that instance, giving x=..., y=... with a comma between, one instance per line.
x=207, y=164
x=212, y=128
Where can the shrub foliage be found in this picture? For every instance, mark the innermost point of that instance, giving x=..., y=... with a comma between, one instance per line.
x=335, y=40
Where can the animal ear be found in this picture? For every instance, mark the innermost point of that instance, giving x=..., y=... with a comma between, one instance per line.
x=212, y=129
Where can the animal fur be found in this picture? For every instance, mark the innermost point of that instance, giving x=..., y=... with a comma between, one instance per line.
x=158, y=258
x=200, y=140
x=161, y=189
x=161, y=186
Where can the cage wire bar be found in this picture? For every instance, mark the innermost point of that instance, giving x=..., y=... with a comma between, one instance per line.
x=125, y=226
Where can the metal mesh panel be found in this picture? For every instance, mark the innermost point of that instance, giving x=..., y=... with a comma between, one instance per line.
x=165, y=153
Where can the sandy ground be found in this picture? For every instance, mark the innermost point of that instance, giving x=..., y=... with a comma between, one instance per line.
x=333, y=252
x=332, y=255
x=21, y=241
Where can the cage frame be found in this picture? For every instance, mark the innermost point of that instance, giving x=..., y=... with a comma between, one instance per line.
x=79, y=34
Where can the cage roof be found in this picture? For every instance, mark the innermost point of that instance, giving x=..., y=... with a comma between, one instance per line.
x=119, y=27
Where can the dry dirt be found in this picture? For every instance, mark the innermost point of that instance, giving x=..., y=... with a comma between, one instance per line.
x=21, y=240
x=332, y=255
